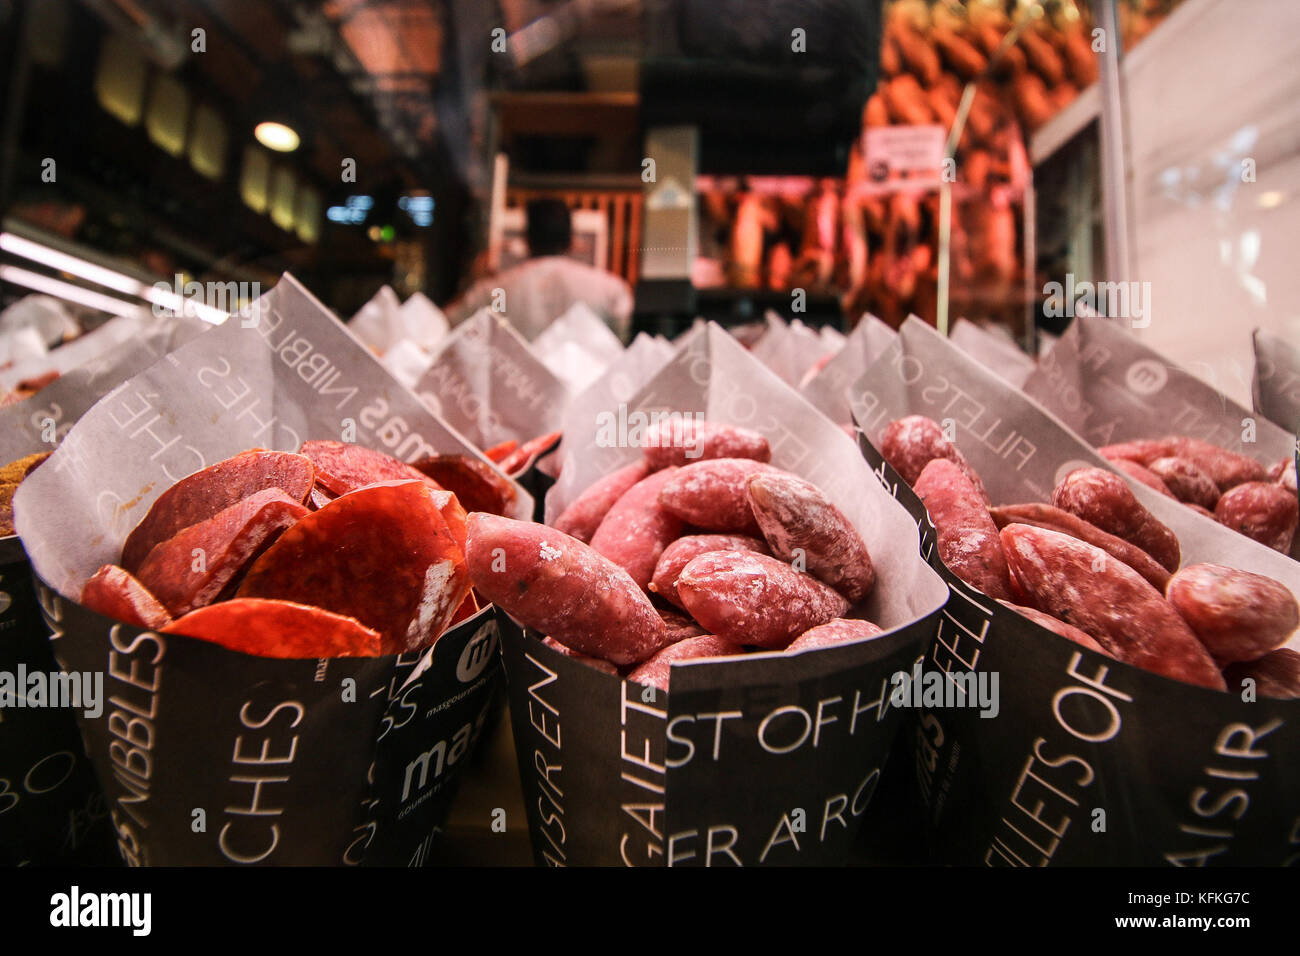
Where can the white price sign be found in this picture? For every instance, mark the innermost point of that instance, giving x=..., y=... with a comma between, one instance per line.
x=903, y=157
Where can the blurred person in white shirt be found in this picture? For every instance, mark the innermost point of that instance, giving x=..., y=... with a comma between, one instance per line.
x=541, y=289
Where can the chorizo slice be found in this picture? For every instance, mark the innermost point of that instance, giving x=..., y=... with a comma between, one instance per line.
x=341, y=467
x=204, y=493
x=195, y=566
x=278, y=629
x=383, y=554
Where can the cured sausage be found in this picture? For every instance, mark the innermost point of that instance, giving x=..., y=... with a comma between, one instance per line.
x=801, y=524
x=712, y=495
x=832, y=633
x=657, y=671
x=583, y=517
x=750, y=598
x=684, y=550
x=564, y=589
x=637, y=529
x=965, y=535
x=683, y=441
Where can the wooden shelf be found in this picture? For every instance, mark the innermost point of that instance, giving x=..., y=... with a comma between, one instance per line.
x=566, y=114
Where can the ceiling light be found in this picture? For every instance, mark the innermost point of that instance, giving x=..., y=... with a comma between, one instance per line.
x=46, y=256
x=1271, y=199
x=116, y=281
x=66, y=291
x=276, y=136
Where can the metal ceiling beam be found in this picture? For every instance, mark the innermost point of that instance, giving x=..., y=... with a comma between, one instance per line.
x=405, y=136
x=292, y=16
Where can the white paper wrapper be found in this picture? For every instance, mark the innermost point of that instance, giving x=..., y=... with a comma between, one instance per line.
x=413, y=331
x=579, y=325
x=1156, y=769
x=422, y=322
x=45, y=315
x=685, y=334
x=618, y=382
x=406, y=361
x=572, y=364
x=828, y=389
x=994, y=350
x=1109, y=387
x=618, y=385
x=376, y=324
x=22, y=346
x=114, y=332
x=24, y=426
x=789, y=349
x=385, y=321
x=648, y=353
x=1275, y=385
x=832, y=338
x=490, y=387
x=766, y=341
x=621, y=380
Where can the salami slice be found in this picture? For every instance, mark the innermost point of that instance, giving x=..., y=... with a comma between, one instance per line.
x=319, y=498
x=515, y=463
x=341, y=467
x=192, y=568
x=278, y=629
x=204, y=493
x=478, y=485
x=500, y=452
x=113, y=592
x=522, y=458
x=452, y=513
x=382, y=554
